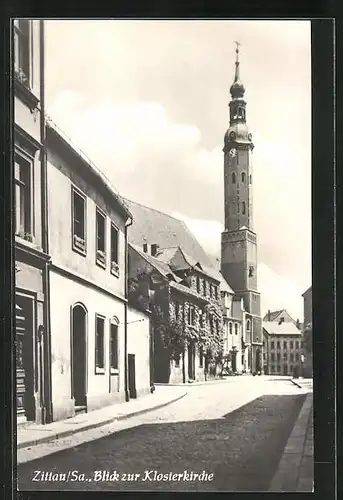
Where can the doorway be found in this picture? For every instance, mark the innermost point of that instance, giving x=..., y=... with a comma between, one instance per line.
x=234, y=361
x=25, y=357
x=131, y=361
x=79, y=360
x=191, y=361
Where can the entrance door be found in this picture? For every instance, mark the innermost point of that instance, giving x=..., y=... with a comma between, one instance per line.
x=132, y=375
x=24, y=357
x=79, y=362
x=234, y=362
x=191, y=362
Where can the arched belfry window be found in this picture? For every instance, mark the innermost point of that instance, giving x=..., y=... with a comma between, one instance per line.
x=248, y=325
x=243, y=177
x=243, y=207
x=233, y=177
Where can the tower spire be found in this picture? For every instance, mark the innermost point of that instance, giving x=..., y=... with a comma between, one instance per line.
x=237, y=88
x=237, y=61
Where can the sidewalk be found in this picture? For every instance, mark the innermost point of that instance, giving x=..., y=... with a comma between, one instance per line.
x=295, y=471
x=33, y=434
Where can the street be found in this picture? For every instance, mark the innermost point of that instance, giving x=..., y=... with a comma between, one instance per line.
x=229, y=449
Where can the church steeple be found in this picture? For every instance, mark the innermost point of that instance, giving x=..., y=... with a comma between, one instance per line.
x=237, y=88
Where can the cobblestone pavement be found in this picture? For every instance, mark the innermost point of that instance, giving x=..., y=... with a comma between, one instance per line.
x=240, y=448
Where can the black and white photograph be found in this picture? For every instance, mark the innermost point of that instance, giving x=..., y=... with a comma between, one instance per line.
x=163, y=255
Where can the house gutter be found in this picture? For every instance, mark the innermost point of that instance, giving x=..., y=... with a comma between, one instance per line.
x=46, y=332
x=128, y=223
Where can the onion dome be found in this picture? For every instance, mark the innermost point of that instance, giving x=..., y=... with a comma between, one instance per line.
x=237, y=88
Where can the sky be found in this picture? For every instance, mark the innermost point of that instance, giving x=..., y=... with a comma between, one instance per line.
x=147, y=101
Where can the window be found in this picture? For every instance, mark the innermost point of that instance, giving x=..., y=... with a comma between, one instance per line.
x=297, y=356
x=236, y=329
x=285, y=356
x=201, y=356
x=249, y=179
x=278, y=369
x=243, y=177
x=191, y=315
x=291, y=344
x=79, y=222
x=198, y=284
x=285, y=345
x=272, y=356
x=100, y=239
x=278, y=344
x=230, y=328
x=114, y=250
x=297, y=344
x=99, y=344
x=302, y=344
x=22, y=50
x=114, y=345
x=248, y=325
x=272, y=344
x=291, y=357
x=23, y=198
x=278, y=356
x=204, y=287
x=291, y=368
x=243, y=207
x=177, y=360
x=233, y=178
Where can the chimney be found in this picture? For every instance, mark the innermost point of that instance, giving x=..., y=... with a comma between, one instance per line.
x=282, y=319
x=154, y=249
x=145, y=247
x=268, y=314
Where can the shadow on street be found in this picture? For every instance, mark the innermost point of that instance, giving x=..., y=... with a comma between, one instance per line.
x=242, y=451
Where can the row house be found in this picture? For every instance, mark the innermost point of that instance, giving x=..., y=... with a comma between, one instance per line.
x=188, y=298
x=282, y=348
x=30, y=221
x=87, y=238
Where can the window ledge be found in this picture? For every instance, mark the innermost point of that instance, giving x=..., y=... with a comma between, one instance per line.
x=99, y=371
x=25, y=93
x=100, y=263
x=79, y=246
x=115, y=269
x=114, y=371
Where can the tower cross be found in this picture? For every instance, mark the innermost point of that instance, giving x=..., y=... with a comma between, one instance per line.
x=238, y=44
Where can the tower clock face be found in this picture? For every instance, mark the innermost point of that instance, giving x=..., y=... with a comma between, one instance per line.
x=233, y=152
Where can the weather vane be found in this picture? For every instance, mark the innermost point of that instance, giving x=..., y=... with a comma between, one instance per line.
x=237, y=49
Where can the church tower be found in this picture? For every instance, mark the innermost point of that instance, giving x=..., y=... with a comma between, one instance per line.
x=239, y=244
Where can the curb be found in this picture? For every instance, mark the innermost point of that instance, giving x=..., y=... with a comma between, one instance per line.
x=287, y=475
x=63, y=434
x=295, y=383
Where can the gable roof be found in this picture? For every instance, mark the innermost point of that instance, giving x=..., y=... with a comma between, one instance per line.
x=152, y=226
x=276, y=315
x=285, y=328
x=307, y=291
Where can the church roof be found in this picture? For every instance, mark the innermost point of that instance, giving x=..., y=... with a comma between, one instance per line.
x=285, y=328
x=152, y=226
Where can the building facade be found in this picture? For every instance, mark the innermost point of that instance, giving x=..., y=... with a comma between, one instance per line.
x=239, y=241
x=32, y=334
x=186, y=311
x=87, y=234
x=282, y=348
x=308, y=331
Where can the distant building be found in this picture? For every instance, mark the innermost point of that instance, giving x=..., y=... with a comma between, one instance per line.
x=33, y=391
x=88, y=301
x=281, y=315
x=282, y=348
